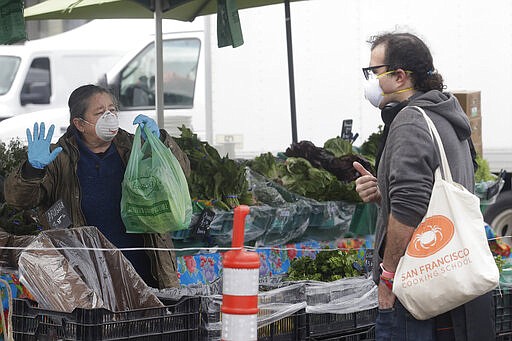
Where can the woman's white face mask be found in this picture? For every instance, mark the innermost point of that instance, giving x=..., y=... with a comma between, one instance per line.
x=106, y=126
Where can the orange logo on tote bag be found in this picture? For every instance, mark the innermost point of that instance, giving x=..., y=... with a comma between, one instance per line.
x=431, y=236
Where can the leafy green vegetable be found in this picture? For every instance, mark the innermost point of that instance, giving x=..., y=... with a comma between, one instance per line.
x=11, y=156
x=303, y=268
x=340, y=166
x=12, y=220
x=483, y=173
x=338, y=146
x=212, y=177
x=299, y=176
x=370, y=147
x=19, y=222
x=328, y=266
x=265, y=164
x=500, y=262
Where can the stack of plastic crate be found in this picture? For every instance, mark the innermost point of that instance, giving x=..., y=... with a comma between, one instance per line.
x=503, y=313
x=178, y=320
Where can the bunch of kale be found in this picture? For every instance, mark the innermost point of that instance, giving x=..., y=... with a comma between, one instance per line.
x=336, y=157
x=219, y=179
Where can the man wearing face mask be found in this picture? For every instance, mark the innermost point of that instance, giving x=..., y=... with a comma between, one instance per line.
x=401, y=73
x=85, y=170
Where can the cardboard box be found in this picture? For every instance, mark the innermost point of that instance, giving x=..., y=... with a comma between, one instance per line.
x=470, y=102
x=476, y=133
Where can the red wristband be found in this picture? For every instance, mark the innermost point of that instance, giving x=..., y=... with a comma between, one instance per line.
x=387, y=281
x=385, y=273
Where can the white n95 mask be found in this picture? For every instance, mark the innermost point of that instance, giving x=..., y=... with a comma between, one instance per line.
x=373, y=92
x=106, y=126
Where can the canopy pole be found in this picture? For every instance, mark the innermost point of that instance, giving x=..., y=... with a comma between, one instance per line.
x=208, y=101
x=291, y=77
x=159, y=77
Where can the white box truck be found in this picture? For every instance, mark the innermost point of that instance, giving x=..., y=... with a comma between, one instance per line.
x=40, y=74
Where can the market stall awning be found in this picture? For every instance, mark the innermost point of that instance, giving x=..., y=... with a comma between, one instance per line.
x=184, y=10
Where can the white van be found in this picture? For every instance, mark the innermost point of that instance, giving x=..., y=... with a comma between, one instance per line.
x=37, y=78
x=40, y=74
x=34, y=79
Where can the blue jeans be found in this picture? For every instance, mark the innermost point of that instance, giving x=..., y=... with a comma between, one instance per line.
x=397, y=324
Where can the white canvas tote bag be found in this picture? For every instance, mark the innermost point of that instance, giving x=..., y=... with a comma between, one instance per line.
x=448, y=261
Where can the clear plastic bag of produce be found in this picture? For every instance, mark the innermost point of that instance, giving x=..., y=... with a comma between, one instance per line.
x=273, y=305
x=273, y=312
x=488, y=191
x=331, y=214
x=78, y=267
x=268, y=192
x=264, y=224
x=506, y=274
x=327, y=219
x=256, y=223
x=288, y=222
x=9, y=257
x=343, y=296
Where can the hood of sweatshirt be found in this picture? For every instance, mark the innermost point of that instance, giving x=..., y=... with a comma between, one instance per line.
x=446, y=105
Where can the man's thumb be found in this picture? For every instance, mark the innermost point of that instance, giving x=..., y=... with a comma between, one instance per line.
x=360, y=169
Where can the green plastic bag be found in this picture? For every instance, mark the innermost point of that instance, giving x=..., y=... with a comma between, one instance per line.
x=155, y=196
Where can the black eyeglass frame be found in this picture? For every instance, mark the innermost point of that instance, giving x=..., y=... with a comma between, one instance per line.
x=367, y=70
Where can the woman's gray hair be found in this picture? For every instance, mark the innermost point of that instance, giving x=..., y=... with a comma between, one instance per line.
x=79, y=100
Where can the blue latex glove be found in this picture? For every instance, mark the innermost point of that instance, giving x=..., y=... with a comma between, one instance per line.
x=39, y=155
x=143, y=120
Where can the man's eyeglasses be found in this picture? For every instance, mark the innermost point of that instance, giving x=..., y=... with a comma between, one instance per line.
x=370, y=70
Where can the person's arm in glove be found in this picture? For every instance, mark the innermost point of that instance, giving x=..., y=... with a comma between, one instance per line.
x=39, y=155
x=145, y=121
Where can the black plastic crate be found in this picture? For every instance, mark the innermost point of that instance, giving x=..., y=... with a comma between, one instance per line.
x=319, y=325
x=289, y=328
x=504, y=337
x=210, y=335
x=292, y=327
x=362, y=334
x=503, y=310
x=178, y=321
x=210, y=326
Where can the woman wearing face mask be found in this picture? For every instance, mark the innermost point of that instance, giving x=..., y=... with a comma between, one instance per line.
x=402, y=74
x=85, y=170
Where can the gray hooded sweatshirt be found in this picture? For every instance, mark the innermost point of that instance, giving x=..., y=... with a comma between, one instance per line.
x=406, y=176
x=409, y=160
